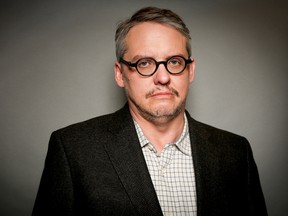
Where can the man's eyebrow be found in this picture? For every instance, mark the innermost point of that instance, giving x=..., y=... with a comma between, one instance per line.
x=137, y=57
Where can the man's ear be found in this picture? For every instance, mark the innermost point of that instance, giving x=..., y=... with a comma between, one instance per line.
x=192, y=70
x=118, y=76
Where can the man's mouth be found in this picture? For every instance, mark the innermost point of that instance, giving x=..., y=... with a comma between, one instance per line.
x=162, y=93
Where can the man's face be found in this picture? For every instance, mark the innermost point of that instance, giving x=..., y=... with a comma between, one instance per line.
x=162, y=96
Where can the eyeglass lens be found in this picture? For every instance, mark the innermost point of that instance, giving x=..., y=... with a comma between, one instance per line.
x=147, y=66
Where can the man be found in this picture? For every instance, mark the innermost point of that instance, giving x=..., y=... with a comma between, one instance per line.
x=150, y=157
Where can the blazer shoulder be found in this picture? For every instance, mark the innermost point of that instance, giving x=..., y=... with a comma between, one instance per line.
x=97, y=125
x=214, y=134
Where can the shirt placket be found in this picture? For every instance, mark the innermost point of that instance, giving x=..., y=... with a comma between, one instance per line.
x=164, y=160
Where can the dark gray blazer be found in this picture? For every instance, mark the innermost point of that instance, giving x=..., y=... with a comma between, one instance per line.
x=97, y=168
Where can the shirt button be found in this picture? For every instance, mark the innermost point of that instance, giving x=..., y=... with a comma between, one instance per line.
x=168, y=214
x=150, y=147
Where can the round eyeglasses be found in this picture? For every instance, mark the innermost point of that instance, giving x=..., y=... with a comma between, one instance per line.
x=148, y=66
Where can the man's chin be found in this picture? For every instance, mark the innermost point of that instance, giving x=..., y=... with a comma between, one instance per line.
x=161, y=114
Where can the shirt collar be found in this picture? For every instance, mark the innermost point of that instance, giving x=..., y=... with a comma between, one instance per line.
x=183, y=142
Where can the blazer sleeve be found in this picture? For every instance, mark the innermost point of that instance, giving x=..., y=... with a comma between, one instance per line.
x=55, y=194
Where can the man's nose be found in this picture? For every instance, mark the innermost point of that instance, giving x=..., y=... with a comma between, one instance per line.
x=161, y=76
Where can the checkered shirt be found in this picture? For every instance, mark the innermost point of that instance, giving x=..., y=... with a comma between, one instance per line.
x=172, y=173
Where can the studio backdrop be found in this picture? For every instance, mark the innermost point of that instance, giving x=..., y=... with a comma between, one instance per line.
x=56, y=67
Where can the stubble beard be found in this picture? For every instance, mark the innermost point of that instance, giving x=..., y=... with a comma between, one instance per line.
x=159, y=115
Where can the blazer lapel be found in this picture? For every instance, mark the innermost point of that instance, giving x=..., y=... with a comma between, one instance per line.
x=127, y=157
x=206, y=166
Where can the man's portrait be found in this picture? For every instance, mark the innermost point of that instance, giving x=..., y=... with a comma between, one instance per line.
x=143, y=108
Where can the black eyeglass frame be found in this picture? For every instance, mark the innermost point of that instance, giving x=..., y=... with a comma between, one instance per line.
x=130, y=64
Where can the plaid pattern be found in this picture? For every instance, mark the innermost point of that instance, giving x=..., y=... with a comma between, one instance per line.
x=172, y=173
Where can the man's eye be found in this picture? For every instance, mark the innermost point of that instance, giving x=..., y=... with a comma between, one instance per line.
x=174, y=62
x=144, y=63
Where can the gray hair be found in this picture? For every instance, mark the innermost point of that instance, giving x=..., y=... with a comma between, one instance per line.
x=150, y=14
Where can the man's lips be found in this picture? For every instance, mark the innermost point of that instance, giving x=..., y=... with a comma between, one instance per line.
x=162, y=93
x=159, y=94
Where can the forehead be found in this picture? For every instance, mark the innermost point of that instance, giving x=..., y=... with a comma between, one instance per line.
x=154, y=40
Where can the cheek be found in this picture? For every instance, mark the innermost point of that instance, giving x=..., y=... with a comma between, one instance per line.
x=182, y=85
x=135, y=86
x=128, y=82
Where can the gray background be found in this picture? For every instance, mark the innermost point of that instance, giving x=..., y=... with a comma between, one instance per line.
x=56, y=64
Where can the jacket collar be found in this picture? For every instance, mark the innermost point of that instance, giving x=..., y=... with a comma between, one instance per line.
x=126, y=155
x=206, y=167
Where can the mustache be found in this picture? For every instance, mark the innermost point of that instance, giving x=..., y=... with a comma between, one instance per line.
x=167, y=89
